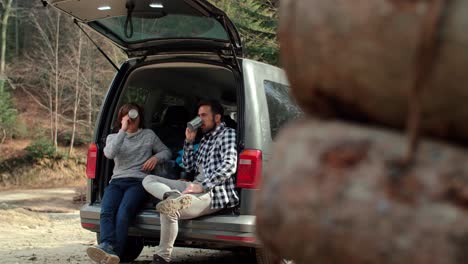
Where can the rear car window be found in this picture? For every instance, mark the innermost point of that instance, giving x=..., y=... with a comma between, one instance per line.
x=134, y=94
x=171, y=26
x=281, y=106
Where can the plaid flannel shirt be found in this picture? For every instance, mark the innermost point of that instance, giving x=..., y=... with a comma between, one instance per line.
x=217, y=155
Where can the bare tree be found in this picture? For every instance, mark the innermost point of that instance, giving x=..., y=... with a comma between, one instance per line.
x=48, y=27
x=77, y=93
x=67, y=81
x=56, y=86
x=6, y=4
x=90, y=95
x=16, y=30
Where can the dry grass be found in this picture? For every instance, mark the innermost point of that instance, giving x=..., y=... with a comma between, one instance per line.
x=45, y=173
x=13, y=149
x=19, y=171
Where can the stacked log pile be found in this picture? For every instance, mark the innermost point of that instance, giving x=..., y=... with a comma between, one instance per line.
x=340, y=192
x=335, y=193
x=360, y=60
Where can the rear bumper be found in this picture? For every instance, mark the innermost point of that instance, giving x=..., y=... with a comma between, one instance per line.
x=225, y=230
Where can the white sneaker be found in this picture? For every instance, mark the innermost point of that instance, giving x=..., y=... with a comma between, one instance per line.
x=102, y=254
x=174, y=203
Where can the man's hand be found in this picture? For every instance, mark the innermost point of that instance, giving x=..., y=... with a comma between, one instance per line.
x=190, y=135
x=150, y=164
x=125, y=123
x=193, y=188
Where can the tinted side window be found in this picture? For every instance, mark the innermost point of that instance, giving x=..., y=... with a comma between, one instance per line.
x=281, y=106
x=136, y=95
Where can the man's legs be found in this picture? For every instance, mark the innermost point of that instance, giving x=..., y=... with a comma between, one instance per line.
x=158, y=186
x=133, y=200
x=200, y=206
x=162, y=187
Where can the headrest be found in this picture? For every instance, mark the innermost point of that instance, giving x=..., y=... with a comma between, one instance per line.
x=175, y=115
x=229, y=121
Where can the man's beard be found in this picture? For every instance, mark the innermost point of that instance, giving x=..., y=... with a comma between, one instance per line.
x=208, y=131
x=211, y=129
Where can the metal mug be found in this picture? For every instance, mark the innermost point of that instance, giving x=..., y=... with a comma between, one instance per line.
x=195, y=123
x=133, y=114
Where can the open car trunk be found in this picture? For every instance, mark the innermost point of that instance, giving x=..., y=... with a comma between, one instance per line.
x=170, y=93
x=141, y=28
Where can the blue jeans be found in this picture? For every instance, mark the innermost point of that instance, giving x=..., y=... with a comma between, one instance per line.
x=123, y=199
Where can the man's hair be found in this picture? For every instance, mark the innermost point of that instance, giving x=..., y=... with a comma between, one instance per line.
x=216, y=107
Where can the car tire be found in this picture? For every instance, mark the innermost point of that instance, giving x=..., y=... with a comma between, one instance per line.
x=265, y=257
x=132, y=249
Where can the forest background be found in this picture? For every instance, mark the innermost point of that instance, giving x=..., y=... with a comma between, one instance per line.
x=53, y=80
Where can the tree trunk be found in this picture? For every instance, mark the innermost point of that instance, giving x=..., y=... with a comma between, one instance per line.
x=90, y=95
x=6, y=15
x=51, y=110
x=56, y=85
x=4, y=135
x=360, y=62
x=77, y=93
x=336, y=193
x=17, y=45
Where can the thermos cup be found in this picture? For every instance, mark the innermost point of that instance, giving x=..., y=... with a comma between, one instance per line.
x=133, y=114
x=195, y=123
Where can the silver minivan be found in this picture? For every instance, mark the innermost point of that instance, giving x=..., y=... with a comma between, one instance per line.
x=181, y=52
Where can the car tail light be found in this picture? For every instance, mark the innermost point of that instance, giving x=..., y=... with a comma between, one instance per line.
x=88, y=225
x=91, y=161
x=249, y=171
x=240, y=239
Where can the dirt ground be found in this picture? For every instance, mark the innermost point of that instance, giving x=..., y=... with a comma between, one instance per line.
x=43, y=226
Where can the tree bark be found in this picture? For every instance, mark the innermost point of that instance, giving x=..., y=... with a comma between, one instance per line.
x=4, y=135
x=5, y=17
x=90, y=94
x=17, y=46
x=51, y=109
x=56, y=85
x=77, y=93
x=359, y=62
x=335, y=193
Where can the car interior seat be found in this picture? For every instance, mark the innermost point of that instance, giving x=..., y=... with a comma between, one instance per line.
x=172, y=128
x=229, y=121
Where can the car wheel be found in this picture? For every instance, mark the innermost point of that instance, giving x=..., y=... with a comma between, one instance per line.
x=265, y=257
x=132, y=249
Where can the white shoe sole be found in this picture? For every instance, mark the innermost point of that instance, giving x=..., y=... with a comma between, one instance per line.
x=100, y=256
x=172, y=206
